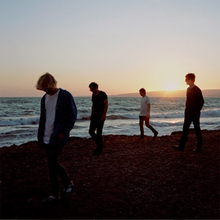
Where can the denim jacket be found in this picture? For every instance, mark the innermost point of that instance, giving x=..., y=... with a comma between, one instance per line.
x=65, y=118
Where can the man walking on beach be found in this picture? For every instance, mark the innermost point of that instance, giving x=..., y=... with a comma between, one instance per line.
x=145, y=113
x=57, y=118
x=194, y=104
x=98, y=115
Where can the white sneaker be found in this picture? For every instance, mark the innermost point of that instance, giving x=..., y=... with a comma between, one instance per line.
x=67, y=191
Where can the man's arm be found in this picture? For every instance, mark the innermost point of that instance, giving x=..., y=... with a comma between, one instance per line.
x=92, y=109
x=201, y=100
x=148, y=110
x=105, y=110
x=69, y=114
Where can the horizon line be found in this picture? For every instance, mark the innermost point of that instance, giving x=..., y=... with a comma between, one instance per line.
x=166, y=92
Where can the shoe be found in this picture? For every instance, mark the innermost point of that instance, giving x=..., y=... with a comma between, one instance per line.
x=67, y=191
x=178, y=148
x=51, y=199
x=97, y=152
x=197, y=150
x=155, y=134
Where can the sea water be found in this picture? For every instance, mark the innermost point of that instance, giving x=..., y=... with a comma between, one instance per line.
x=19, y=117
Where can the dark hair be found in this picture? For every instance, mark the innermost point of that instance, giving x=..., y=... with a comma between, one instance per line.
x=93, y=85
x=191, y=76
x=142, y=90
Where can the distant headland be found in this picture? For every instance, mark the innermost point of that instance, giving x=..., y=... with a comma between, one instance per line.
x=175, y=93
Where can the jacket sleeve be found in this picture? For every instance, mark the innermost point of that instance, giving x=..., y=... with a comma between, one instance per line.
x=70, y=114
x=200, y=100
x=66, y=113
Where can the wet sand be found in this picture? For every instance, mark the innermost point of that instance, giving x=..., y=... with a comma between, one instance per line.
x=133, y=178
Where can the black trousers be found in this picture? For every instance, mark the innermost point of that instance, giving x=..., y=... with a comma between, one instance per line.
x=96, y=125
x=189, y=118
x=145, y=119
x=55, y=168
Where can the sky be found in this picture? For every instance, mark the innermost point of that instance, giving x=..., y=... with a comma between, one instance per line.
x=123, y=45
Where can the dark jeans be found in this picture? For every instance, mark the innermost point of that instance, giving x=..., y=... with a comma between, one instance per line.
x=96, y=124
x=189, y=118
x=145, y=119
x=55, y=168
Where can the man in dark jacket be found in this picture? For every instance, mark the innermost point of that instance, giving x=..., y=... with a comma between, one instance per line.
x=57, y=118
x=194, y=104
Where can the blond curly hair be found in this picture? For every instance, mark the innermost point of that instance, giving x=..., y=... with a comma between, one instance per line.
x=46, y=81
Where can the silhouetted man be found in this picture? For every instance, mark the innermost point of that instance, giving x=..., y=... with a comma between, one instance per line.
x=98, y=115
x=194, y=104
x=57, y=118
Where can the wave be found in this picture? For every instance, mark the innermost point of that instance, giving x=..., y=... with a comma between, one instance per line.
x=168, y=115
x=211, y=113
x=19, y=121
x=110, y=117
x=208, y=113
x=13, y=121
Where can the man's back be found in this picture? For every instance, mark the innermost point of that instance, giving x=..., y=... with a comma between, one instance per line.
x=98, y=103
x=194, y=101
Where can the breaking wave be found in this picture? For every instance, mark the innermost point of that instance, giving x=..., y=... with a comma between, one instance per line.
x=35, y=120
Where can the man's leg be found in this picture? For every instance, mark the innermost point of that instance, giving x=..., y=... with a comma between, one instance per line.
x=92, y=128
x=61, y=170
x=141, y=121
x=55, y=168
x=99, y=138
x=147, y=123
x=186, y=125
x=196, y=123
x=94, y=124
x=52, y=159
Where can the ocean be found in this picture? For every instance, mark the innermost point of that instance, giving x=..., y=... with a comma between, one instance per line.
x=19, y=117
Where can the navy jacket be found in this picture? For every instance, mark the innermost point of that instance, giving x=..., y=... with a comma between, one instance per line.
x=65, y=118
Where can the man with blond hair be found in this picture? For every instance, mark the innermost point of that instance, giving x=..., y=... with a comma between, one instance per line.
x=57, y=118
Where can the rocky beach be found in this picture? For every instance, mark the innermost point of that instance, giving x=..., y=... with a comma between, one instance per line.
x=132, y=179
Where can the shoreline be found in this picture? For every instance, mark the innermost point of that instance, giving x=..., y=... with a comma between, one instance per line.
x=132, y=178
x=72, y=138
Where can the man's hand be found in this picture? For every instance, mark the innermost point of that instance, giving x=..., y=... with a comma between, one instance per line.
x=41, y=146
x=103, y=118
x=60, y=136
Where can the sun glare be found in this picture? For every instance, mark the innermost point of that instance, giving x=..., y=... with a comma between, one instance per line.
x=171, y=86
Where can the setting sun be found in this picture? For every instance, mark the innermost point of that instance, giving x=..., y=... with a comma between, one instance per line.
x=171, y=86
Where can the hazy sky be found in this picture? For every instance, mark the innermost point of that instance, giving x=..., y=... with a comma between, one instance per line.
x=122, y=45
